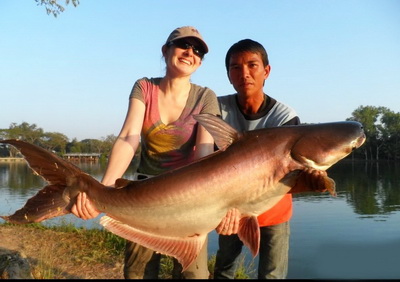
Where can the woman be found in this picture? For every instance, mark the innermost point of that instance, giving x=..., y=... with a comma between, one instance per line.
x=160, y=116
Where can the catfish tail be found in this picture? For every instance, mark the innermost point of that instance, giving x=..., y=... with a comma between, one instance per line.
x=55, y=199
x=47, y=203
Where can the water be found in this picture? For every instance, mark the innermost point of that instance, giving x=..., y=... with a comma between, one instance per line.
x=355, y=235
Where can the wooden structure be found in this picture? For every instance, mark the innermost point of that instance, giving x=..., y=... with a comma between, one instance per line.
x=82, y=157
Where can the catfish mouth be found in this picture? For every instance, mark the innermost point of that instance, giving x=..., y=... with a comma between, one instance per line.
x=358, y=143
x=311, y=163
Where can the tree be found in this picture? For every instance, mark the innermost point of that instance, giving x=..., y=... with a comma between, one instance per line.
x=53, y=7
x=54, y=141
x=74, y=146
x=382, y=129
x=108, y=143
x=367, y=116
x=25, y=131
x=390, y=128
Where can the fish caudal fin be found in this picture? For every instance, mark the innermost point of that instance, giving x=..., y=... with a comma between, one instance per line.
x=56, y=198
x=185, y=250
x=249, y=233
x=47, y=203
x=51, y=167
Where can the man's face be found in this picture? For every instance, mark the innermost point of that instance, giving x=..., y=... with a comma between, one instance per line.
x=247, y=72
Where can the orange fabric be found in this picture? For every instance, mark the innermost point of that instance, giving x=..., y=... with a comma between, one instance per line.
x=279, y=213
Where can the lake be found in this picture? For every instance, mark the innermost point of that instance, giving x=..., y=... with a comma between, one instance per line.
x=355, y=235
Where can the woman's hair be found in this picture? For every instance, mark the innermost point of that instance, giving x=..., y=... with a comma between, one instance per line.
x=246, y=45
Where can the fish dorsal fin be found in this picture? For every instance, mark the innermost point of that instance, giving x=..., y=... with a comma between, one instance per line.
x=185, y=250
x=249, y=233
x=224, y=134
x=122, y=182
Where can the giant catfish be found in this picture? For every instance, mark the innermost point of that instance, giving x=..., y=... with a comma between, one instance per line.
x=172, y=213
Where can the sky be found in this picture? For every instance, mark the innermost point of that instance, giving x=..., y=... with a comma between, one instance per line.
x=73, y=74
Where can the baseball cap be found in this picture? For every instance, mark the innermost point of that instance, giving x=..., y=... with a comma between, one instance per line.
x=187, y=31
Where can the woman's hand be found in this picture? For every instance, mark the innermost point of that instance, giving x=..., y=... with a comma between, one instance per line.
x=230, y=223
x=83, y=208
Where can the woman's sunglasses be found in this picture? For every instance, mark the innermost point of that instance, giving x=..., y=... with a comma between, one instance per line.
x=185, y=45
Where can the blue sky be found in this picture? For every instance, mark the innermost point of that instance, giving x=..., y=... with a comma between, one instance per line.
x=73, y=74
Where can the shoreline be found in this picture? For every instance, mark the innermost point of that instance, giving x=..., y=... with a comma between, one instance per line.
x=12, y=159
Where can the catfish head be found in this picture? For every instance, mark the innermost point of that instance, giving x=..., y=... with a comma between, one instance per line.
x=335, y=141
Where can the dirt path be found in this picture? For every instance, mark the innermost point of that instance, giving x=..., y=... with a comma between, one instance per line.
x=54, y=252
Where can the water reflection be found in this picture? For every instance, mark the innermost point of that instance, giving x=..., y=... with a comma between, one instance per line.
x=18, y=177
x=371, y=189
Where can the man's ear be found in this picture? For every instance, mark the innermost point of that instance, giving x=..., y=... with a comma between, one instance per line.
x=227, y=73
x=267, y=71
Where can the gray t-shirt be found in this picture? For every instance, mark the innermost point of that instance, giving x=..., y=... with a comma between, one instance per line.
x=271, y=114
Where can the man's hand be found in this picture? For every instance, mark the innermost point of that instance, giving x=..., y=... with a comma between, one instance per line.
x=230, y=223
x=83, y=208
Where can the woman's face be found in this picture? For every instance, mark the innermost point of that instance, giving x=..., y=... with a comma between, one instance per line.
x=183, y=56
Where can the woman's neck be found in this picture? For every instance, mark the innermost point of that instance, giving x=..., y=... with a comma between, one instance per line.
x=172, y=97
x=176, y=86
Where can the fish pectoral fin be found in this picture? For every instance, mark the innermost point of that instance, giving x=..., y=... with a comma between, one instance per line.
x=249, y=233
x=185, y=250
x=313, y=181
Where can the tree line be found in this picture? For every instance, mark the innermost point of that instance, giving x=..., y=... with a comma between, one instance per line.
x=382, y=129
x=381, y=126
x=53, y=141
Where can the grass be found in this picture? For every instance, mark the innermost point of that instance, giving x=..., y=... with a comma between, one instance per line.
x=94, y=246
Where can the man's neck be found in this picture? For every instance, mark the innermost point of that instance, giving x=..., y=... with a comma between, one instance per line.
x=251, y=104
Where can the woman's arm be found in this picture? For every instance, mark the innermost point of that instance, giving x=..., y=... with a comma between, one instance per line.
x=126, y=144
x=120, y=157
x=204, y=143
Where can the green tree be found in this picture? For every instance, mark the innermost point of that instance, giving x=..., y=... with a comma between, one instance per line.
x=368, y=117
x=382, y=128
x=108, y=142
x=25, y=131
x=90, y=146
x=54, y=141
x=390, y=128
x=53, y=7
x=74, y=146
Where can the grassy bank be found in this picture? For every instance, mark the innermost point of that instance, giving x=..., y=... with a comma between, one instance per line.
x=77, y=250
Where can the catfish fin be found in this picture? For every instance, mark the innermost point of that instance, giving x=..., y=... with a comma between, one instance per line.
x=224, y=134
x=122, y=182
x=305, y=178
x=49, y=166
x=185, y=250
x=47, y=203
x=249, y=233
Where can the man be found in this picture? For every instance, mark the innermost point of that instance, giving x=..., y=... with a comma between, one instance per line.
x=250, y=108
